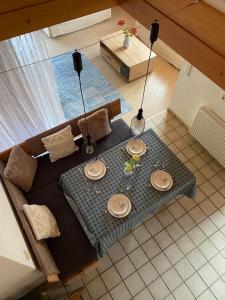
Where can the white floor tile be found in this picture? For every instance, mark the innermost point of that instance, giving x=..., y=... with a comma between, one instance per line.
x=218, y=219
x=218, y=289
x=196, y=285
x=134, y=283
x=170, y=297
x=176, y=210
x=163, y=239
x=161, y=263
x=208, y=249
x=184, y=268
x=129, y=243
x=208, y=274
x=196, y=235
x=111, y=277
x=158, y=289
x=138, y=257
x=151, y=248
x=187, y=203
x=186, y=222
x=105, y=263
x=207, y=206
x=141, y=234
x=207, y=227
x=165, y=217
x=173, y=253
x=154, y=226
x=116, y=252
x=217, y=199
x=96, y=288
x=218, y=240
x=207, y=295
x=89, y=276
x=125, y=267
x=196, y=259
x=148, y=273
x=120, y=292
x=175, y=230
x=218, y=263
x=185, y=243
x=106, y=297
x=183, y=293
x=144, y=295
x=172, y=279
x=197, y=214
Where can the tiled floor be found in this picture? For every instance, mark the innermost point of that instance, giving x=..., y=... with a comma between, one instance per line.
x=178, y=253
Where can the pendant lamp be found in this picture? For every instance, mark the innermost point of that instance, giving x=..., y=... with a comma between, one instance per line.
x=138, y=122
x=88, y=147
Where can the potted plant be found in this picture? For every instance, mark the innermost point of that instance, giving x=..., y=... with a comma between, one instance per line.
x=128, y=32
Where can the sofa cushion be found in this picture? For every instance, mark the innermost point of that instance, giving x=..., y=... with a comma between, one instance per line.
x=120, y=132
x=42, y=221
x=21, y=168
x=97, y=123
x=72, y=249
x=60, y=144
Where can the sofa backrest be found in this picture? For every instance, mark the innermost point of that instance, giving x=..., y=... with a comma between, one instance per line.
x=40, y=248
x=34, y=145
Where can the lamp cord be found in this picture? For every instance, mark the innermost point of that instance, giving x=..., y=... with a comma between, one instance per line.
x=82, y=97
x=149, y=59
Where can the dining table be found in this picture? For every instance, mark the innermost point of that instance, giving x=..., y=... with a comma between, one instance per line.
x=88, y=199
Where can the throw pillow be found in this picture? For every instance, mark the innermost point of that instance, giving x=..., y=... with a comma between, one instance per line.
x=60, y=144
x=21, y=168
x=98, y=125
x=42, y=221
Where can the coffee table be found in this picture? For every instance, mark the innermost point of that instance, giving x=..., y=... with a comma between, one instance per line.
x=130, y=63
x=90, y=208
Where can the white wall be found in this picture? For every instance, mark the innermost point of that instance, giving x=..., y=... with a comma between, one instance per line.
x=78, y=24
x=13, y=276
x=18, y=272
x=193, y=90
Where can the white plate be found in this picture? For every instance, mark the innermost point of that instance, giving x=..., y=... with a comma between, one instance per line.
x=161, y=180
x=119, y=205
x=95, y=170
x=136, y=147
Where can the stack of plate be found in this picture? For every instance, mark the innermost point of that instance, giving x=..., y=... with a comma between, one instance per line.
x=119, y=206
x=161, y=180
x=136, y=147
x=95, y=170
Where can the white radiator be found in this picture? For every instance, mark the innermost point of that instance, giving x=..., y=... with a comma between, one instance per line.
x=209, y=130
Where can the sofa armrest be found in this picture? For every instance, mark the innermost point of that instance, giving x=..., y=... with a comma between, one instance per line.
x=40, y=248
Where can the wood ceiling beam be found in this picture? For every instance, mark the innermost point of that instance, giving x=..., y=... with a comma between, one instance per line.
x=196, y=32
x=21, y=16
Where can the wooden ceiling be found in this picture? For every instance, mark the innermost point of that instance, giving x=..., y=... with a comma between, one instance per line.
x=196, y=32
x=21, y=16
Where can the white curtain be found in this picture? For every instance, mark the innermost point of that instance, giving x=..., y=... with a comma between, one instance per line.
x=29, y=102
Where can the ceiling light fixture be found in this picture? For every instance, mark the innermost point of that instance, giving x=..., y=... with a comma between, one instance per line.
x=89, y=146
x=138, y=122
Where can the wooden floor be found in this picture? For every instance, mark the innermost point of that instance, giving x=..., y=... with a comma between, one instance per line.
x=161, y=82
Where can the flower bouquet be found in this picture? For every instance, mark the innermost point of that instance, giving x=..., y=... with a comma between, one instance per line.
x=131, y=164
x=128, y=32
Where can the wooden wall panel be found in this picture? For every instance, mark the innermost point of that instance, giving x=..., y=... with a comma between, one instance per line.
x=40, y=14
x=200, y=54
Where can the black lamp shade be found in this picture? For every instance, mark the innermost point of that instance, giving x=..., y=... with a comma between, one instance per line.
x=77, y=62
x=154, y=32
